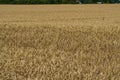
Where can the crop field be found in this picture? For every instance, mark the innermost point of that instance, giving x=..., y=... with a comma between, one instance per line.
x=60, y=42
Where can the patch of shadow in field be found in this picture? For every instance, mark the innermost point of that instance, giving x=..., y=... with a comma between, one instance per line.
x=43, y=37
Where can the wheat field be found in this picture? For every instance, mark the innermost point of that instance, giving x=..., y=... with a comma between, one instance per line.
x=60, y=42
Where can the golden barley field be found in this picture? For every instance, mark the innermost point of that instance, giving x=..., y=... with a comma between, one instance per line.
x=60, y=42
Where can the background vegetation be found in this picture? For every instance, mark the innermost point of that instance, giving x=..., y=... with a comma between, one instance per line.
x=53, y=1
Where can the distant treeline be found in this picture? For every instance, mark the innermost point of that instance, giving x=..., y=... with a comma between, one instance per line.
x=55, y=1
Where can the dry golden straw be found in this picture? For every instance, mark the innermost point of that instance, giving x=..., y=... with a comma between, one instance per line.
x=60, y=42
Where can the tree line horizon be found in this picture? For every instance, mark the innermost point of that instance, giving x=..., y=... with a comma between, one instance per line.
x=56, y=1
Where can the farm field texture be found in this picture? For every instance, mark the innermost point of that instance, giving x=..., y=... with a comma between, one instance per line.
x=60, y=42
